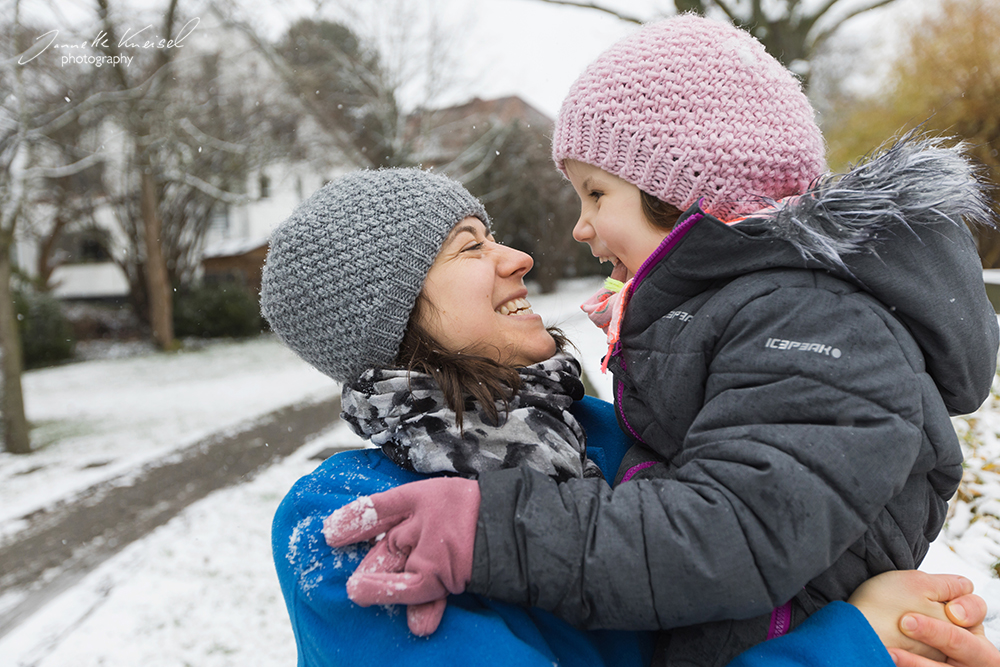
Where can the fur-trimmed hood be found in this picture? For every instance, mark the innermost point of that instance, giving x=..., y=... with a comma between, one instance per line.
x=896, y=225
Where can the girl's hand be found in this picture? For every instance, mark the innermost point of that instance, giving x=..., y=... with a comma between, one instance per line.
x=425, y=532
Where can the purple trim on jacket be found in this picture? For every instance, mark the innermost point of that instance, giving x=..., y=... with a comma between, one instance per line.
x=642, y=466
x=621, y=413
x=672, y=239
x=781, y=620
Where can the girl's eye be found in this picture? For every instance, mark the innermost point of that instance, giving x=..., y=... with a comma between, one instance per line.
x=596, y=194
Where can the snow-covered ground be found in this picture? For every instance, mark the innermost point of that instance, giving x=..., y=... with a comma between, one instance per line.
x=100, y=419
x=201, y=589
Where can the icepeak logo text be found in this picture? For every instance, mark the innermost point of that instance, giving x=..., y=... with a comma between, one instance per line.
x=794, y=345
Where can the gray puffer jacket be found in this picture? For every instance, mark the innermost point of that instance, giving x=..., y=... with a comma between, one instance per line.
x=789, y=380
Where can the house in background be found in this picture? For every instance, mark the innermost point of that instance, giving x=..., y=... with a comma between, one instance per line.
x=86, y=269
x=81, y=263
x=442, y=137
x=237, y=245
x=78, y=261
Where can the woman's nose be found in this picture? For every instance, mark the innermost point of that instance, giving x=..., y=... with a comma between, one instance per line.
x=514, y=262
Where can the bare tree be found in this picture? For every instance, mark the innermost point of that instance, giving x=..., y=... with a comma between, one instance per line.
x=67, y=203
x=139, y=118
x=214, y=129
x=360, y=70
x=197, y=130
x=28, y=123
x=792, y=31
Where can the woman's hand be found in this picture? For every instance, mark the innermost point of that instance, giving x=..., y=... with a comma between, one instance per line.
x=925, y=619
x=425, y=553
x=961, y=639
x=885, y=598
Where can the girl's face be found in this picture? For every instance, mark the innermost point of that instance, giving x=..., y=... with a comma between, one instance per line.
x=477, y=299
x=611, y=219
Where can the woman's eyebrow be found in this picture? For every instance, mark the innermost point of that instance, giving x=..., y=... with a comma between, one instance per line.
x=458, y=230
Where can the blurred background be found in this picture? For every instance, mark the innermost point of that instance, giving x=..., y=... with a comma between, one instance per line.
x=148, y=147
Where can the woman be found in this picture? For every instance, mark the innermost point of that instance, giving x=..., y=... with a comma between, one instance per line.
x=381, y=280
x=391, y=283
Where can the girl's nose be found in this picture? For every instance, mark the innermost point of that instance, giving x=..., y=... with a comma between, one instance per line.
x=582, y=230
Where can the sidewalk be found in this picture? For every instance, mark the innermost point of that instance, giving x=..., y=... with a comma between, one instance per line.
x=62, y=543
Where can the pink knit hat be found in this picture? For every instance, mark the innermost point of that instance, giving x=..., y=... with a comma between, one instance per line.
x=687, y=108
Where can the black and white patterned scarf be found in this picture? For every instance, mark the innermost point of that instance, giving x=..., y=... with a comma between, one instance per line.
x=406, y=415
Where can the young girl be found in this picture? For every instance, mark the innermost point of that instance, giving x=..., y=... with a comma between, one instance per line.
x=788, y=377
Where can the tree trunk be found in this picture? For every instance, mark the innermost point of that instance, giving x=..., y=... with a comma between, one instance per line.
x=157, y=283
x=46, y=266
x=13, y=423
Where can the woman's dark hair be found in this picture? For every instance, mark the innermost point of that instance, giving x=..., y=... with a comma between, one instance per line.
x=462, y=377
x=659, y=213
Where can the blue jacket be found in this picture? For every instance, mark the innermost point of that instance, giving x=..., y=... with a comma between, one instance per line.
x=836, y=636
x=331, y=630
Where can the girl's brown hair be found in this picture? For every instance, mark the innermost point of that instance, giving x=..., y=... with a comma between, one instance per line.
x=463, y=378
x=659, y=213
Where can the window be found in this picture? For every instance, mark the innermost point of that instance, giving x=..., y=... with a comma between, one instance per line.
x=84, y=246
x=220, y=219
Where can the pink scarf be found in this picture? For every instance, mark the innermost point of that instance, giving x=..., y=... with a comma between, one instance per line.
x=605, y=309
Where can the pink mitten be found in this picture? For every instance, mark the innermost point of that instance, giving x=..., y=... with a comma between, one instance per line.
x=599, y=307
x=426, y=552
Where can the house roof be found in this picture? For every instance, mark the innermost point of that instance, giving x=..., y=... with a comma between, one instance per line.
x=233, y=247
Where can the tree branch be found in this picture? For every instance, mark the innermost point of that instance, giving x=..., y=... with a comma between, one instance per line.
x=729, y=12
x=600, y=8
x=340, y=137
x=819, y=13
x=219, y=144
x=822, y=36
x=205, y=187
x=67, y=169
x=106, y=97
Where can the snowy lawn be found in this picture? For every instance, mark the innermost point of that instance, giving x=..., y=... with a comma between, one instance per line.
x=201, y=590
x=98, y=420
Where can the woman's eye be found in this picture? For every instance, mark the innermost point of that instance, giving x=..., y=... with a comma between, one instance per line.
x=474, y=246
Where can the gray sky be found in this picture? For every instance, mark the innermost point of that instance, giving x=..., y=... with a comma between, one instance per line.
x=536, y=50
x=499, y=47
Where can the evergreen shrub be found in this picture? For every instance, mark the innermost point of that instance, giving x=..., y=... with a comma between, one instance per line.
x=213, y=310
x=46, y=334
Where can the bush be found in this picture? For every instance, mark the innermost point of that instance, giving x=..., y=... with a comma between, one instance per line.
x=215, y=310
x=46, y=334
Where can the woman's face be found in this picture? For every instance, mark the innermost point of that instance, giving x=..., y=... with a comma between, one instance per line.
x=611, y=219
x=476, y=295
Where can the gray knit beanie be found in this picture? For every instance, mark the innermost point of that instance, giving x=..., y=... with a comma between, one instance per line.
x=344, y=271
